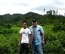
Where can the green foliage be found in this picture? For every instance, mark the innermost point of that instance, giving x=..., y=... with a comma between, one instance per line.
x=53, y=25
x=9, y=42
x=54, y=41
x=58, y=27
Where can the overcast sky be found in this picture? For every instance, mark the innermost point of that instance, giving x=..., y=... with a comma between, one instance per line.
x=37, y=6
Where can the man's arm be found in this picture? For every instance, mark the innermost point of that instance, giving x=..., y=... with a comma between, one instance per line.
x=42, y=32
x=43, y=40
x=20, y=39
x=29, y=40
x=29, y=36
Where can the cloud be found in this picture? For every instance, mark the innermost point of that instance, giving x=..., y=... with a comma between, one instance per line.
x=53, y=5
x=56, y=4
x=24, y=6
x=20, y=4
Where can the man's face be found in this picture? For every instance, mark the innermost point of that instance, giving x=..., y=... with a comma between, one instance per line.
x=24, y=24
x=34, y=24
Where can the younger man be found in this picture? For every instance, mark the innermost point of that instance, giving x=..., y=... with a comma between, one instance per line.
x=24, y=38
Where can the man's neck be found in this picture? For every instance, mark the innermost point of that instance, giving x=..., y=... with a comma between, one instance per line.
x=35, y=26
x=25, y=27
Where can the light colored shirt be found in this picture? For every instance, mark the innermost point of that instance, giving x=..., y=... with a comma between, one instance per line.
x=25, y=33
x=34, y=30
x=39, y=34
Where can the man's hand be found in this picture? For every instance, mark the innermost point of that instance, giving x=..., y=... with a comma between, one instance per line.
x=28, y=46
x=43, y=42
x=19, y=45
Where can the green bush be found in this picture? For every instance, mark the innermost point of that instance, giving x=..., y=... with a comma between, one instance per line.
x=58, y=27
x=54, y=41
x=9, y=44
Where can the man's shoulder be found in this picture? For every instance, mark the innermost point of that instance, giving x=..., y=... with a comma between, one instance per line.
x=28, y=29
x=30, y=26
x=21, y=29
x=39, y=26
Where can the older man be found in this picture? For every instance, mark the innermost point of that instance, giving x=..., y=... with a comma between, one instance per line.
x=37, y=34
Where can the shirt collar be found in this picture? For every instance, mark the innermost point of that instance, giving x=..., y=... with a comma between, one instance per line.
x=33, y=27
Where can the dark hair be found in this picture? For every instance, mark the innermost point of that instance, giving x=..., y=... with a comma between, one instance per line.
x=25, y=22
x=34, y=20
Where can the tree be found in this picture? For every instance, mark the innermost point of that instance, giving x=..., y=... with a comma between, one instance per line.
x=49, y=12
x=44, y=10
x=54, y=12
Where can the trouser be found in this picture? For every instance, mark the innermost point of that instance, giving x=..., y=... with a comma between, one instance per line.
x=24, y=47
x=37, y=49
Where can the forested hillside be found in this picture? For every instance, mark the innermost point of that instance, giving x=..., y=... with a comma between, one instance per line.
x=53, y=25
